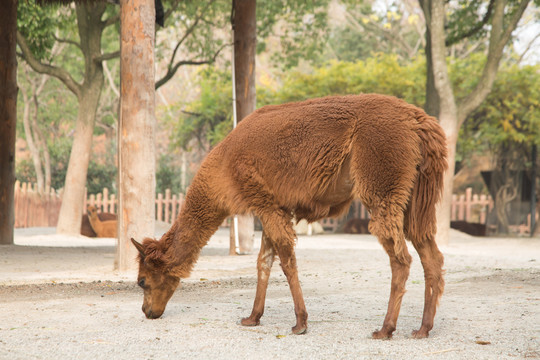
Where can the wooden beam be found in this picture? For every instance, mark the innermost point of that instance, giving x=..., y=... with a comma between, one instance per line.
x=8, y=118
x=136, y=129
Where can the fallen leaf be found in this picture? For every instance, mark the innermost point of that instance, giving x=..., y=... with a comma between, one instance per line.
x=480, y=342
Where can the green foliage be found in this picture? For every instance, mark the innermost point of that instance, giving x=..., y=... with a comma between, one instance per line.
x=510, y=114
x=36, y=23
x=39, y=25
x=367, y=28
x=382, y=73
x=102, y=172
x=168, y=176
x=302, y=25
x=209, y=118
x=25, y=171
x=59, y=151
x=466, y=18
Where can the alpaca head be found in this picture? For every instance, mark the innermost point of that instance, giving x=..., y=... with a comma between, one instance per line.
x=158, y=285
x=91, y=210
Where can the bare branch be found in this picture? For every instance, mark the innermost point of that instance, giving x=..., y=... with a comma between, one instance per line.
x=499, y=37
x=528, y=48
x=108, y=56
x=51, y=70
x=112, y=20
x=171, y=10
x=475, y=29
x=172, y=70
x=111, y=80
x=188, y=32
x=66, y=41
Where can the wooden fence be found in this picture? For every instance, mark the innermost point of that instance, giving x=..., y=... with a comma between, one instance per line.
x=467, y=207
x=33, y=209
x=167, y=206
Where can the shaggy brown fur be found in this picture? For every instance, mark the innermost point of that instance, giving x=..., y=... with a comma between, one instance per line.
x=311, y=159
x=101, y=228
x=86, y=227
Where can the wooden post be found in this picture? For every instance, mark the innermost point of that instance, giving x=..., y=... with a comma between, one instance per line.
x=159, y=207
x=8, y=118
x=175, y=203
x=245, y=40
x=105, y=200
x=136, y=130
x=534, y=153
x=167, y=206
x=468, y=202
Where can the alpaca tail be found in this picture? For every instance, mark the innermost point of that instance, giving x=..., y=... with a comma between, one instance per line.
x=420, y=218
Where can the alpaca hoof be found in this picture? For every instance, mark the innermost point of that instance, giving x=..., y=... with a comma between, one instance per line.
x=299, y=330
x=381, y=335
x=420, y=334
x=249, y=322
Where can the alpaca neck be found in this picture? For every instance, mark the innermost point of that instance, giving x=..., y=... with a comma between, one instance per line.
x=95, y=222
x=199, y=219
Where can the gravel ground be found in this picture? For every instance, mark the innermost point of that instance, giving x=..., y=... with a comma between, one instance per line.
x=61, y=300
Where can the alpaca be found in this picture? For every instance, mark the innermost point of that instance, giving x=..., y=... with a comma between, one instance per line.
x=86, y=227
x=102, y=228
x=310, y=159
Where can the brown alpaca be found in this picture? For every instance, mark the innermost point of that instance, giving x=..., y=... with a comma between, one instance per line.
x=86, y=227
x=101, y=228
x=310, y=159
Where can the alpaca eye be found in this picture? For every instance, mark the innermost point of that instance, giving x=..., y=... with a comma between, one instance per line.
x=141, y=283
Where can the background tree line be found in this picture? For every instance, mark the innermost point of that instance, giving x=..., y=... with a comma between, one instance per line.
x=69, y=77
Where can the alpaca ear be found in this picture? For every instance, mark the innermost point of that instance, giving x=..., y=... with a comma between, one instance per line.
x=138, y=246
x=153, y=251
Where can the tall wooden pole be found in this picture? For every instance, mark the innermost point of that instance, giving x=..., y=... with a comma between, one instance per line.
x=8, y=118
x=136, y=130
x=244, y=24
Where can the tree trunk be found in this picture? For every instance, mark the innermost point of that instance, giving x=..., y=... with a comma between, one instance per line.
x=432, y=96
x=31, y=130
x=44, y=150
x=34, y=151
x=136, y=129
x=8, y=118
x=245, y=41
x=451, y=114
x=69, y=219
x=434, y=10
x=90, y=29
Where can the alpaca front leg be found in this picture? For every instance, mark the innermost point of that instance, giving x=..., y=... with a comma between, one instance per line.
x=288, y=264
x=264, y=266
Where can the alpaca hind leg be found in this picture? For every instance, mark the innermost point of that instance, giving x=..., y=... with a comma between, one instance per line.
x=432, y=261
x=391, y=237
x=264, y=265
x=288, y=264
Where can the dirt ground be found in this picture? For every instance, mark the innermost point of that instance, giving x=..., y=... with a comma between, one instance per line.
x=60, y=299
